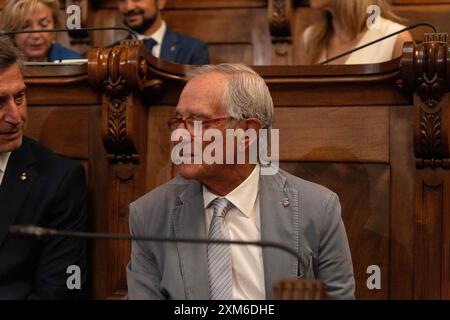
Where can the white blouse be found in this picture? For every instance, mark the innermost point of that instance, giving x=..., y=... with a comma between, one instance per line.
x=379, y=52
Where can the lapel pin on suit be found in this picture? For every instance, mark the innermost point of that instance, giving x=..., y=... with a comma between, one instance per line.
x=23, y=176
x=285, y=202
x=173, y=48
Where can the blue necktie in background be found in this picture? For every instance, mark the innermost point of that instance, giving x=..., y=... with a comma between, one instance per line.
x=149, y=44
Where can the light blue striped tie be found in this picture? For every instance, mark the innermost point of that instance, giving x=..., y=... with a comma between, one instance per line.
x=219, y=255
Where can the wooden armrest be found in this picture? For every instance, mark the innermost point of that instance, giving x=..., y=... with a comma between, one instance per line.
x=301, y=289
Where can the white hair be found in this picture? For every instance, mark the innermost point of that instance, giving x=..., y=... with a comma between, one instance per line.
x=246, y=94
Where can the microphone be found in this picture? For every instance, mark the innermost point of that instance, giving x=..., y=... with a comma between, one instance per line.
x=413, y=26
x=284, y=289
x=133, y=33
x=38, y=232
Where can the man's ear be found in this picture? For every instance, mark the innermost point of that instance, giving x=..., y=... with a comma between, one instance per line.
x=252, y=124
x=161, y=4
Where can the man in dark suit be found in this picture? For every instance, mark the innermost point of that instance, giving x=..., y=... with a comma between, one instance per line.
x=37, y=187
x=145, y=17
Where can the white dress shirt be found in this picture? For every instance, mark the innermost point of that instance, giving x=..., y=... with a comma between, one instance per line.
x=4, y=157
x=158, y=36
x=243, y=222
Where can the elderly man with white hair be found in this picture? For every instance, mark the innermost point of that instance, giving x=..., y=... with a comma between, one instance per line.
x=233, y=201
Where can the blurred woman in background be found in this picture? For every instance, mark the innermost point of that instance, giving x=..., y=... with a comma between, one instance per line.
x=344, y=26
x=23, y=15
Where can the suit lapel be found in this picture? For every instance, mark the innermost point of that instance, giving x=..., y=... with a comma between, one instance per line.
x=18, y=178
x=169, y=47
x=189, y=222
x=280, y=222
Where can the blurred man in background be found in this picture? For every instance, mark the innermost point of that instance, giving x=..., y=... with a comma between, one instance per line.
x=145, y=17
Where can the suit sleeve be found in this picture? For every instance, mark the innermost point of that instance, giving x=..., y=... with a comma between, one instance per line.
x=57, y=254
x=143, y=277
x=201, y=54
x=335, y=267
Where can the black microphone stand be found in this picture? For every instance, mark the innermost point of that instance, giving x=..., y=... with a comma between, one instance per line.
x=38, y=232
x=133, y=33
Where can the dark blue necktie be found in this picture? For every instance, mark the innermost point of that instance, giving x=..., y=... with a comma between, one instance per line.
x=149, y=44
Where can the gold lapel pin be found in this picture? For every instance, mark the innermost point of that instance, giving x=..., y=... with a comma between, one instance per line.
x=24, y=176
x=285, y=202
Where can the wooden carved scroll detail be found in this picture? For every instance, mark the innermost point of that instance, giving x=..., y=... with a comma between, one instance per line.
x=280, y=13
x=430, y=138
x=120, y=72
x=116, y=93
x=426, y=71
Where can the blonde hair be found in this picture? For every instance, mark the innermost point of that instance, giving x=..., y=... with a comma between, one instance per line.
x=351, y=15
x=16, y=12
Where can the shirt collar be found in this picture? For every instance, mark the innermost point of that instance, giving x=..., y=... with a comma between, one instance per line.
x=4, y=157
x=242, y=197
x=158, y=35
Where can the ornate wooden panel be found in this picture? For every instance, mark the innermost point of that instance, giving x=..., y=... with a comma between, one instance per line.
x=426, y=72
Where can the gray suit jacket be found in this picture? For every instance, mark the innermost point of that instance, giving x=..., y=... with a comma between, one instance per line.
x=311, y=224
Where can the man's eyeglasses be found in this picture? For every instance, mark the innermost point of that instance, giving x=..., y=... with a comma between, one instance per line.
x=188, y=123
